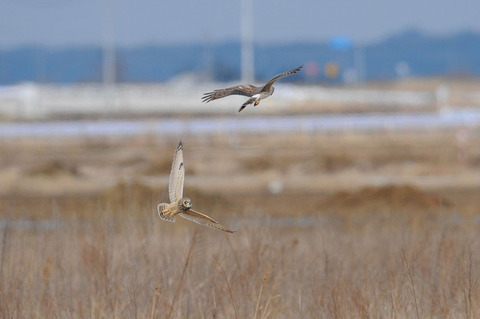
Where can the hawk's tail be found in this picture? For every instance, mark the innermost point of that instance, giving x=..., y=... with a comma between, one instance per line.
x=244, y=105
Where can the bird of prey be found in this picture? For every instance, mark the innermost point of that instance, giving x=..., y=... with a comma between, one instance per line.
x=256, y=93
x=180, y=205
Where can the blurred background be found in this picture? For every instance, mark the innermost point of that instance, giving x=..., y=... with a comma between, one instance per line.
x=110, y=56
x=100, y=93
x=354, y=188
x=95, y=95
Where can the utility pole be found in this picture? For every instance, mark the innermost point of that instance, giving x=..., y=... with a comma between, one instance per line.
x=248, y=69
x=359, y=63
x=109, y=56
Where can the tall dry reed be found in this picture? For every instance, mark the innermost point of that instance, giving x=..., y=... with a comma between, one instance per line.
x=137, y=266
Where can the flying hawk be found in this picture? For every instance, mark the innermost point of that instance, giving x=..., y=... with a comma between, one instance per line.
x=256, y=93
x=180, y=205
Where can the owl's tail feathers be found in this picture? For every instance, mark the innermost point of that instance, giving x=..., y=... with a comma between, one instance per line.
x=160, y=210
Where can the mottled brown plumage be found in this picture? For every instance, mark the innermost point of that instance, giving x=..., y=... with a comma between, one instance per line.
x=256, y=93
x=180, y=205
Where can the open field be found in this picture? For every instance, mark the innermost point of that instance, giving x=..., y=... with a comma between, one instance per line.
x=29, y=101
x=373, y=225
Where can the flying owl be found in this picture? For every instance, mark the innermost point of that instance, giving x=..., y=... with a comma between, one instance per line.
x=256, y=93
x=180, y=205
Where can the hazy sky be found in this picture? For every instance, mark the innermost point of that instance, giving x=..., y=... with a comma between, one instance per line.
x=80, y=22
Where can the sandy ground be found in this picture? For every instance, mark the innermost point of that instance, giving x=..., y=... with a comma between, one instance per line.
x=270, y=175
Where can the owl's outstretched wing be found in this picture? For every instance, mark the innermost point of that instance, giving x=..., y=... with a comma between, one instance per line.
x=203, y=219
x=267, y=86
x=177, y=175
x=243, y=89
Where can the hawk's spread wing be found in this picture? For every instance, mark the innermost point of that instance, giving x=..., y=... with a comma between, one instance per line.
x=177, y=175
x=203, y=219
x=267, y=86
x=244, y=89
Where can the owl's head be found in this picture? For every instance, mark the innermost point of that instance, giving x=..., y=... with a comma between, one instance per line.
x=185, y=203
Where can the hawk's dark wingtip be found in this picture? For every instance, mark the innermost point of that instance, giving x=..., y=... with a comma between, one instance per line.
x=207, y=97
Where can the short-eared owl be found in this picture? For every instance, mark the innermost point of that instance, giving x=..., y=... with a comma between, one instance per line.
x=256, y=93
x=180, y=205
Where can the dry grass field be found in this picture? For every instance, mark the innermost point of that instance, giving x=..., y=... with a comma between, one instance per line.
x=374, y=225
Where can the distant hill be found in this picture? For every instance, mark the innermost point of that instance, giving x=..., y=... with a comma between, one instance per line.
x=410, y=53
x=455, y=55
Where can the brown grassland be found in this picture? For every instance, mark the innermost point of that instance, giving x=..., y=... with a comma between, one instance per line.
x=367, y=225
